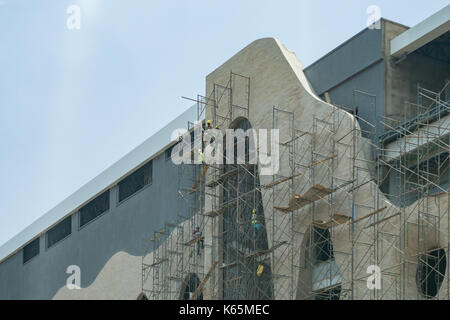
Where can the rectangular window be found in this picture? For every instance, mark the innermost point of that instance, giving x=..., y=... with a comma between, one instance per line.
x=31, y=250
x=169, y=152
x=94, y=208
x=59, y=232
x=135, y=181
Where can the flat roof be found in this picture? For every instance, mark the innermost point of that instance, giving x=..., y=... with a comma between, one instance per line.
x=422, y=33
x=147, y=150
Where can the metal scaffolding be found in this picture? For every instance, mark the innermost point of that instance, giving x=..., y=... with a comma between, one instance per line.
x=345, y=199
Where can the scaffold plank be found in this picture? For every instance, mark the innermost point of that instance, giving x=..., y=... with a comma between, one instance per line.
x=321, y=161
x=273, y=184
x=383, y=220
x=259, y=253
x=222, y=178
x=158, y=262
x=158, y=235
x=205, y=279
x=368, y=215
x=191, y=242
x=199, y=179
x=214, y=213
x=315, y=193
x=336, y=220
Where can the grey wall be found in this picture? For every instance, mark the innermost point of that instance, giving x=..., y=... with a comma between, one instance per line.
x=357, y=64
x=403, y=78
x=122, y=228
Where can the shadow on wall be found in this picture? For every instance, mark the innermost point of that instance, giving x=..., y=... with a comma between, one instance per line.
x=142, y=296
x=319, y=277
x=430, y=272
x=190, y=284
x=247, y=275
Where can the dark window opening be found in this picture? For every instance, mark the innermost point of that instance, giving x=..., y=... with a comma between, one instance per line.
x=430, y=272
x=169, y=152
x=319, y=259
x=192, y=140
x=142, y=296
x=31, y=250
x=135, y=181
x=59, y=232
x=189, y=286
x=94, y=208
x=320, y=249
x=243, y=226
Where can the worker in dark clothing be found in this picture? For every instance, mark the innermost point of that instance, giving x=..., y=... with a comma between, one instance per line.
x=198, y=235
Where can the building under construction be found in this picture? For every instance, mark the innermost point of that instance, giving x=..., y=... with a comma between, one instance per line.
x=356, y=205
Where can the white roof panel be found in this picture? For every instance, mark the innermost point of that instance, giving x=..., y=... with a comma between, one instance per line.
x=104, y=180
x=422, y=33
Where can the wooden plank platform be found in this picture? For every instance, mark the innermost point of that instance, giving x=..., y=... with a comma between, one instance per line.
x=275, y=183
x=336, y=220
x=191, y=242
x=158, y=235
x=222, y=178
x=315, y=193
x=214, y=213
x=228, y=265
x=368, y=215
x=202, y=284
x=264, y=252
x=383, y=220
x=199, y=179
x=157, y=263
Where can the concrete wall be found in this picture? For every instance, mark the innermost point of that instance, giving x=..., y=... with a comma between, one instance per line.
x=403, y=77
x=357, y=64
x=364, y=63
x=277, y=80
x=121, y=229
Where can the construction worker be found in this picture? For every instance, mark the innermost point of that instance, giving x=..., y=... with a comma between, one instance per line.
x=209, y=126
x=197, y=234
x=201, y=157
x=255, y=223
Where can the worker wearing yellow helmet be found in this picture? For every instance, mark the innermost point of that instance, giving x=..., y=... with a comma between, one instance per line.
x=255, y=222
x=209, y=124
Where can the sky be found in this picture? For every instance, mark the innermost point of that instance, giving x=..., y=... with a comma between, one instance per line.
x=74, y=101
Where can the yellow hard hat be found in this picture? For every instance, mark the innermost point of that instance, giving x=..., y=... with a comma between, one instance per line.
x=209, y=121
x=254, y=210
x=260, y=270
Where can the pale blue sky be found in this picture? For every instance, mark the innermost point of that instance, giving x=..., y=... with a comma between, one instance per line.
x=74, y=102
